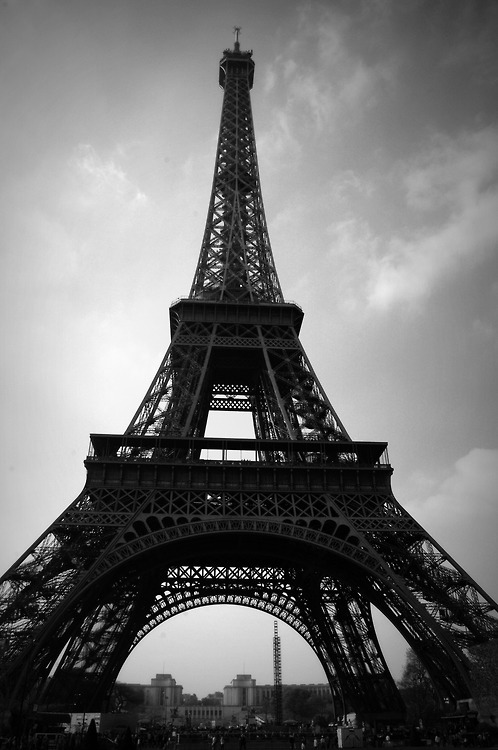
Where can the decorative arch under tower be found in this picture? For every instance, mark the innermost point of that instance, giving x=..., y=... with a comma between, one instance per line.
x=299, y=521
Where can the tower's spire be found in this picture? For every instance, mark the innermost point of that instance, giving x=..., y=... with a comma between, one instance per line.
x=236, y=261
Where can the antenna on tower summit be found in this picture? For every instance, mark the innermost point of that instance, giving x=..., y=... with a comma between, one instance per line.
x=236, y=30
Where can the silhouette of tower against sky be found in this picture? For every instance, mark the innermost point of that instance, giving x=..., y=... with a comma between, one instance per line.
x=298, y=521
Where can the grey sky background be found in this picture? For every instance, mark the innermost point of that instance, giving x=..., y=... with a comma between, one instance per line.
x=377, y=133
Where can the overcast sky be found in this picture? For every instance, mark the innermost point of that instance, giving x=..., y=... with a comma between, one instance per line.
x=377, y=132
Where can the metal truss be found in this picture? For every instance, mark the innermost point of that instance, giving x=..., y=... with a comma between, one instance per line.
x=99, y=580
x=237, y=366
x=298, y=521
x=236, y=261
x=277, y=675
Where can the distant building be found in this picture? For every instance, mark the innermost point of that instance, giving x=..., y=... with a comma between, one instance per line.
x=241, y=692
x=162, y=699
x=242, y=703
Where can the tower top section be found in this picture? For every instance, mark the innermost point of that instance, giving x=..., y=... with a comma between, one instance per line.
x=236, y=262
x=237, y=63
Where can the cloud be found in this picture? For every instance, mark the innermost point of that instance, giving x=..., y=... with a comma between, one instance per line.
x=453, y=172
x=92, y=215
x=103, y=180
x=473, y=46
x=353, y=247
x=446, y=223
x=319, y=81
x=279, y=142
x=453, y=188
x=486, y=331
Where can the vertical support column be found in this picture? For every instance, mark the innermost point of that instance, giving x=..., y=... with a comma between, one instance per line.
x=277, y=674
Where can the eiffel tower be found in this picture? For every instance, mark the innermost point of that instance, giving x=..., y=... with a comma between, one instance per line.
x=298, y=521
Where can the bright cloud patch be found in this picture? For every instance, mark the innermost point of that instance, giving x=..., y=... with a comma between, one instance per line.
x=454, y=189
x=353, y=246
x=103, y=180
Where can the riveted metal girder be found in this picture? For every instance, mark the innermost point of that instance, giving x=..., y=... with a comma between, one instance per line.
x=113, y=566
x=249, y=353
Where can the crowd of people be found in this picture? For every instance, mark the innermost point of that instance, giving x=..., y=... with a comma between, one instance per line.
x=173, y=738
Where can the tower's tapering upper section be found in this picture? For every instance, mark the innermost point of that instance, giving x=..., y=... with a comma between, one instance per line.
x=236, y=261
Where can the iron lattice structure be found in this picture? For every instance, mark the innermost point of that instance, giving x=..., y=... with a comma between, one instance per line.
x=299, y=521
x=277, y=675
